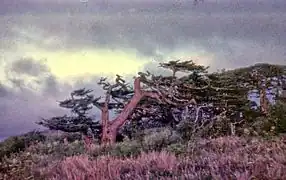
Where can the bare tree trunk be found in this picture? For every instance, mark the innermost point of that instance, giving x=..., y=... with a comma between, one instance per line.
x=232, y=129
x=105, y=120
x=110, y=129
x=263, y=101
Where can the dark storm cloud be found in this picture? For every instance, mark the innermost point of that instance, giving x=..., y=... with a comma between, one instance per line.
x=232, y=31
x=235, y=33
x=49, y=83
x=43, y=6
x=55, y=88
x=21, y=106
x=51, y=86
x=148, y=33
x=29, y=66
x=23, y=73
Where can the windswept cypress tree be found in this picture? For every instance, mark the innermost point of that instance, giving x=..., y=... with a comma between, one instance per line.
x=153, y=99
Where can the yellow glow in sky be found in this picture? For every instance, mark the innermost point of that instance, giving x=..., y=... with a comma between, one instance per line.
x=65, y=64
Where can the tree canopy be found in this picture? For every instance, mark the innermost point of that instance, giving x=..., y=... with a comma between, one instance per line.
x=156, y=100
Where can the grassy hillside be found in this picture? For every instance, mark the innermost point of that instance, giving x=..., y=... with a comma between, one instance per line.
x=155, y=156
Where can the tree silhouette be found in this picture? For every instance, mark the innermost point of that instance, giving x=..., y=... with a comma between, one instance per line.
x=80, y=103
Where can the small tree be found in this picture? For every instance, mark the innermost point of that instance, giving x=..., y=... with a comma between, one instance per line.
x=124, y=99
x=80, y=103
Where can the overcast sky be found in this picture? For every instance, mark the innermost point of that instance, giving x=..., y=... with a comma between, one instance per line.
x=50, y=47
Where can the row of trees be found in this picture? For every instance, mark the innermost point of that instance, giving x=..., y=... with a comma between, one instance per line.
x=156, y=100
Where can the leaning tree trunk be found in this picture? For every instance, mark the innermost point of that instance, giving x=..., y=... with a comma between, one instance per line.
x=110, y=128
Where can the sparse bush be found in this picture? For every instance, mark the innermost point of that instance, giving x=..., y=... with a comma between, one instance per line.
x=216, y=128
x=126, y=149
x=20, y=166
x=71, y=137
x=12, y=145
x=159, y=139
x=271, y=125
x=123, y=149
x=278, y=112
x=177, y=148
x=19, y=143
x=58, y=149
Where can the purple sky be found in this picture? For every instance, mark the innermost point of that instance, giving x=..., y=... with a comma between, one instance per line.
x=50, y=47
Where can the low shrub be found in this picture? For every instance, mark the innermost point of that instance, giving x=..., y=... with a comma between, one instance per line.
x=19, y=143
x=221, y=158
x=159, y=139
